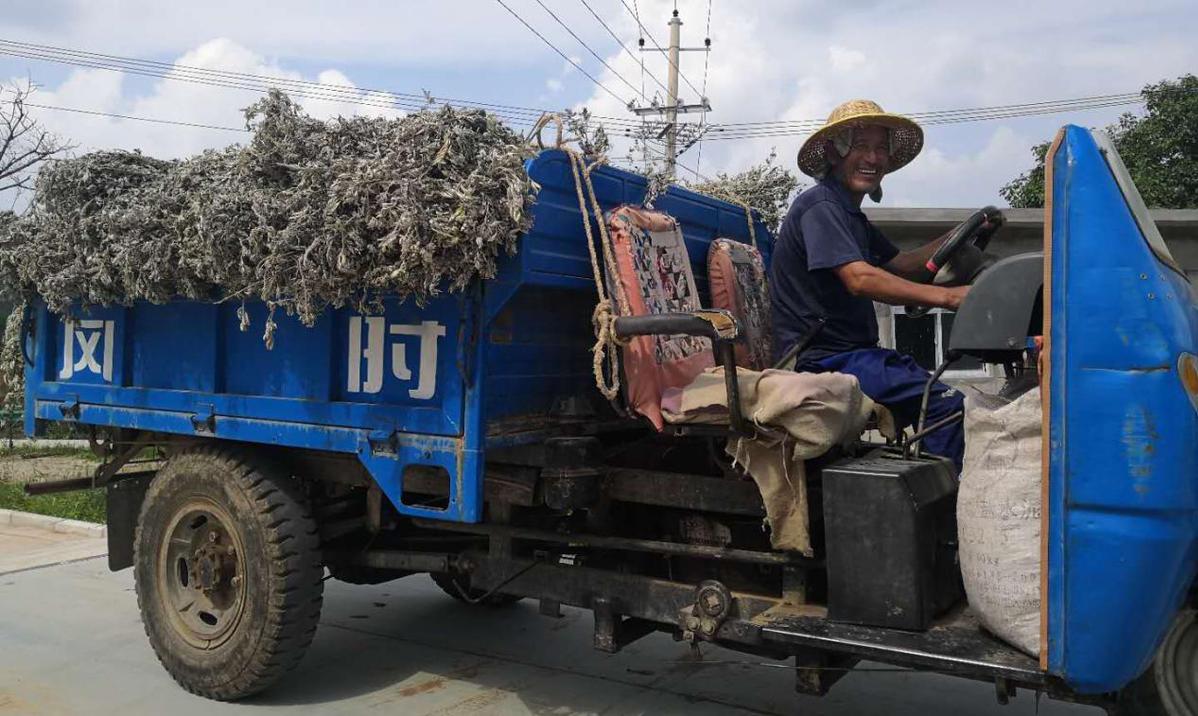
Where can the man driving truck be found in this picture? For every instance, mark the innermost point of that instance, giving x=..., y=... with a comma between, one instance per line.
x=830, y=264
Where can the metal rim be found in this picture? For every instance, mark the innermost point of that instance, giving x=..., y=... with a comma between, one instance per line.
x=200, y=574
x=1177, y=666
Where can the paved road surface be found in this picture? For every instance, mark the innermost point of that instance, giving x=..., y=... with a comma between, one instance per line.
x=71, y=642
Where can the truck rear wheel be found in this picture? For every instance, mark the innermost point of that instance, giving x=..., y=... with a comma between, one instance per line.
x=1170, y=686
x=227, y=571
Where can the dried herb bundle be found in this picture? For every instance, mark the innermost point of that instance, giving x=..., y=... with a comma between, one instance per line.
x=309, y=214
x=766, y=187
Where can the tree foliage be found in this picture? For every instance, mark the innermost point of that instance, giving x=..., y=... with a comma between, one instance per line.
x=1159, y=147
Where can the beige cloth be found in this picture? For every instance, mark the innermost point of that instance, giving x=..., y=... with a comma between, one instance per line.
x=799, y=416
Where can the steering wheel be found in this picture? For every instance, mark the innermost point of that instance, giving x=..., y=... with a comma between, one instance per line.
x=970, y=236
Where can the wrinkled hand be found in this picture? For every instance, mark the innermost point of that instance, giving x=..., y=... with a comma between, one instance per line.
x=954, y=296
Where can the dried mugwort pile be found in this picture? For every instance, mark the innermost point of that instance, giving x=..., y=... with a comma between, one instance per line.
x=309, y=214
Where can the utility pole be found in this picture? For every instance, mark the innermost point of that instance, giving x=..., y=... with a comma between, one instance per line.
x=672, y=102
x=673, y=108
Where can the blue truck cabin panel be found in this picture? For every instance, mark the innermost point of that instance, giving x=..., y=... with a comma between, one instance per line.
x=1123, y=468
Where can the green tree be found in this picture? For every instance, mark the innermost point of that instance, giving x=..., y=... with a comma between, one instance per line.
x=1159, y=147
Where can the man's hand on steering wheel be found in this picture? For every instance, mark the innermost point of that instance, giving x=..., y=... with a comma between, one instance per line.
x=959, y=257
x=969, y=237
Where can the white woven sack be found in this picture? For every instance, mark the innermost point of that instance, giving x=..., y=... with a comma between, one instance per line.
x=998, y=516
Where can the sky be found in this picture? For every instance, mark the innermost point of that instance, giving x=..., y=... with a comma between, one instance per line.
x=770, y=60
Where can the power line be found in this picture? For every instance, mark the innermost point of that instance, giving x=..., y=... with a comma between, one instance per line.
x=254, y=82
x=635, y=58
x=155, y=120
x=564, y=56
x=519, y=116
x=723, y=132
x=934, y=113
x=706, y=62
x=332, y=93
x=588, y=49
x=636, y=16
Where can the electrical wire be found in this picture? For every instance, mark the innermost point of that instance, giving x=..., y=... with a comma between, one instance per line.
x=703, y=94
x=522, y=116
x=564, y=56
x=721, y=132
x=155, y=120
x=255, y=82
x=635, y=58
x=588, y=49
x=330, y=94
x=652, y=39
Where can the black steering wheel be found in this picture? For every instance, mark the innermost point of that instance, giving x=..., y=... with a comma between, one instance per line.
x=974, y=235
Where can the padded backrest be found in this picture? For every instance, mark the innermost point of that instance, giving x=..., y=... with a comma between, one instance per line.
x=655, y=275
x=736, y=275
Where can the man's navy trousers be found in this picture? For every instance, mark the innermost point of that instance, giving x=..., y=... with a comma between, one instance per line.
x=896, y=381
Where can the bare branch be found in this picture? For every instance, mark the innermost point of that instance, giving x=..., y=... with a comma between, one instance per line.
x=23, y=142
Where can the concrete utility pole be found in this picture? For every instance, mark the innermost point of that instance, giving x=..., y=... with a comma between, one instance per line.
x=672, y=102
x=672, y=108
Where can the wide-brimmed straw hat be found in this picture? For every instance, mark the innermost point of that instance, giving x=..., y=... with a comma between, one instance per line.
x=906, y=137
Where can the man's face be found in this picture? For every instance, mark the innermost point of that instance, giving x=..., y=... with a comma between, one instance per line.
x=868, y=160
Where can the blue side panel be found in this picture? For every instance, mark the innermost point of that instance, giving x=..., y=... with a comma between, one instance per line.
x=394, y=387
x=405, y=386
x=1123, y=464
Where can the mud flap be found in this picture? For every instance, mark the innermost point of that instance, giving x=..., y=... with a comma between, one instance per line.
x=124, y=498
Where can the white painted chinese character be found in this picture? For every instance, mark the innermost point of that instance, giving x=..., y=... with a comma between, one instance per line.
x=429, y=332
x=369, y=348
x=91, y=335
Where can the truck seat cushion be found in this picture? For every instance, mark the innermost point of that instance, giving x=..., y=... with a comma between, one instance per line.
x=736, y=274
x=655, y=274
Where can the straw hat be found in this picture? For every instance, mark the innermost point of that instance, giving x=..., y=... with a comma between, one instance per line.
x=906, y=138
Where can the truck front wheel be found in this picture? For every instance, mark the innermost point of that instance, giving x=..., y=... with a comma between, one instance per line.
x=228, y=573
x=1170, y=686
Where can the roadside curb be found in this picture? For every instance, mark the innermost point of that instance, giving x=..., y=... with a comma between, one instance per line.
x=53, y=524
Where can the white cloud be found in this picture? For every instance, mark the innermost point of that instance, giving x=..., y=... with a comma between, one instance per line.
x=190, y=101
x=844, y=59
x=787, y=60
x=952, y=179
x=770, y=60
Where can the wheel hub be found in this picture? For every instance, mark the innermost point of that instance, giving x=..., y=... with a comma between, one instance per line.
x=200, y=575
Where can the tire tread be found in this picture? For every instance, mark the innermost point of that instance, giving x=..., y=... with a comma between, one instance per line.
x=293, y=548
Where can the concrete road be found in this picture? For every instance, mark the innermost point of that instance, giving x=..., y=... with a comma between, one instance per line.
x=71, y=642
x=28, y=545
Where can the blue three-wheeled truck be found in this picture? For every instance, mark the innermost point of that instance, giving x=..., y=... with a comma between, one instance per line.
x=467, y=439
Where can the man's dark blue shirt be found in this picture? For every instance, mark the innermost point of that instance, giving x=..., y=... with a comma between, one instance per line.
x=823, y=229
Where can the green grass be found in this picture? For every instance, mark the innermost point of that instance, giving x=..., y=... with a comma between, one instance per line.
x=86, y=505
